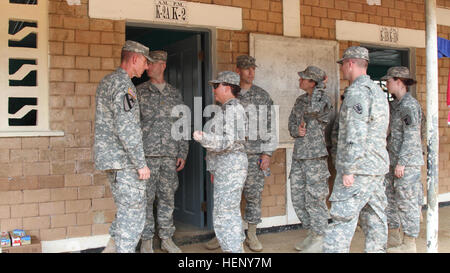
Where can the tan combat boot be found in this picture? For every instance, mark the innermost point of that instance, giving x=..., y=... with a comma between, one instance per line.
x=169, y=246
x=394, y=238
x=147, y=246
x=110, y=246
x=408, y=246
x=305, y=243
x=212, y=244
x=316, y=245
x=252, y=241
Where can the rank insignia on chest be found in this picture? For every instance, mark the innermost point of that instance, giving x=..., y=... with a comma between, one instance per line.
x=128, y=102
x=358, y=108
x=407, y=120
x=132, y=93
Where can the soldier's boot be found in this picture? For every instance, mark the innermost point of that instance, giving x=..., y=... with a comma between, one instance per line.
x=110, y=246
x=305, y=243
x=408, y=246
x=316, y=245
x=169, y=246
x=252, y=241
x=394, y=237
x=212, y=244
x=146, y=246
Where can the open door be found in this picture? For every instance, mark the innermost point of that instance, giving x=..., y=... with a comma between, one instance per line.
x=184, y=71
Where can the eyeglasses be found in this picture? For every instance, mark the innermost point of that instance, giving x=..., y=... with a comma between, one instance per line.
x=216, y=85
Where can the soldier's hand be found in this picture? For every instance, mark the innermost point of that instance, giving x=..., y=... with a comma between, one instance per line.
x=265, y=162
x=348, y=180
x=144, y=173
x=399, y=171
x=302, y=129
x=180, y=164
x=198, y=135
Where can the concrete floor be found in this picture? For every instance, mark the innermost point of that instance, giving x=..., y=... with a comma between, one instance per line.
x=283, y=242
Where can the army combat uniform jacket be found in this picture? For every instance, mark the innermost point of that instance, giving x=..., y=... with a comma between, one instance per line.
x=156, y=108
x=118, y=135
x=404, y=142
x=314, y=111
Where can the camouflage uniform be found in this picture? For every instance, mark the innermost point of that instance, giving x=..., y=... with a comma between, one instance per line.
x=405, y=149
x=254, y=185
x=361, y=151
x=309, y=169
x=118, y=150
x=227, y=161
x=161, y=151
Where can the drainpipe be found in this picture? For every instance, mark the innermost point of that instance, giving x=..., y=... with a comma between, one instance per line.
x=432, y=127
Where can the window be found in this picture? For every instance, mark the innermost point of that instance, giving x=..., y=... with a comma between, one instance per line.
x=24, y=68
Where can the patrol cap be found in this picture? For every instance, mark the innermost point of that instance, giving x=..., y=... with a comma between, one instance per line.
x=355, y=52
x=313, y=73
x=133, y=46
x=397, y=72
x=229, y=77
x=245, y=61
x=158, y=55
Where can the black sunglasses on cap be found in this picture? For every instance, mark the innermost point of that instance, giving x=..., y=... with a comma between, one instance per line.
x=216, y=85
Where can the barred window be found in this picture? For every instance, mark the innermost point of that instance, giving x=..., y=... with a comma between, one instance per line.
x=24, y=82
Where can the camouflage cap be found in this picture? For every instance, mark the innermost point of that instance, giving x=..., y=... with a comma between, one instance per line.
x=229, y=77
x=133, y=46
x=158, y=55
x=245, y=61
x=313, y=73
x=397, y=72
x=355, y=52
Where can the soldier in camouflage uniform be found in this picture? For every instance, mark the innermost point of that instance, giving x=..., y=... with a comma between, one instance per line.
x=403, y=185
x=309, y=169
x=165, y=155
x=227, y=161
x=259, y=149
x=118, y=147
x=361, y=160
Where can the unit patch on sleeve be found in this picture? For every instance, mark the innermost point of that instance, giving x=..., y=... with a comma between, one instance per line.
x=358, y=108
x=407, y=119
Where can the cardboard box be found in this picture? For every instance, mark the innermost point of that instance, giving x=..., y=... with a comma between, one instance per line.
x=34, y=247
x=5, y=241
x=15, y=240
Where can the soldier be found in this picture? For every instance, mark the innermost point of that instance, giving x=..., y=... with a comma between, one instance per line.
x=118, y=147
x=165, y=155
x=309, y=169
x=361, y=160
x=253, y=97
x=227, y=161
x=403, y=185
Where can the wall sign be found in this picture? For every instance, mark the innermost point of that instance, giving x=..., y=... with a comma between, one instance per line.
x=171, y=11
x=389, y=34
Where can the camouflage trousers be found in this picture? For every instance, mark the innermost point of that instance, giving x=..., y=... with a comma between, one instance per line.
x=227, y=219
x=405, y=197
x=366, y=200
x=309, y=190
x=161, y=186
x=129, y=196
x=253, y=188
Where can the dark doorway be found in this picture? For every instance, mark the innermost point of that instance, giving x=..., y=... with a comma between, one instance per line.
x=381, y=59
x=188, y=69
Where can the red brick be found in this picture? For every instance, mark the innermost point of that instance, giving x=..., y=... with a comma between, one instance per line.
x=65, y=220
x=11, y=197
x=23, y=183
x=52, y=208
x=5, y=212
x=24, y=210
x=76, y=206
x=10, y=224
x=51, y=181
x=53, y=234
x=103, y=204
x=36, y=196
x=64, y=194
x=37, y=168
x=79, y=231
x=72, y=180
